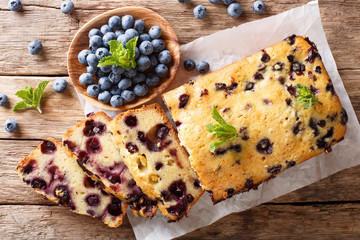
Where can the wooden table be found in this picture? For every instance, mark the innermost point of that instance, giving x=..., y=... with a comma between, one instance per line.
x=327, y=209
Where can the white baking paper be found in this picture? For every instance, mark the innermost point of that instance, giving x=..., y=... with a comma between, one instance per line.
x=223, y=48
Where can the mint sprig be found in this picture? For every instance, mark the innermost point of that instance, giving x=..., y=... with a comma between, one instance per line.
x=223, y=131
x=306, y=97
x=121, y=56
x=31, y=98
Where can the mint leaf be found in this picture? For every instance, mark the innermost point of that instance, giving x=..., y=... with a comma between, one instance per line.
x=223, y=131
x=31, y=99
x=121, y=56
x=306, y=97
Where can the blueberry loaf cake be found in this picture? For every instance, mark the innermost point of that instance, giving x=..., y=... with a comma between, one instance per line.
x=91, y=142
x=250, y=120
x=53, y=174
x=159, y=165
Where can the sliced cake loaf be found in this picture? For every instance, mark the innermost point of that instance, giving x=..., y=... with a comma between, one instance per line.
x=271, y=110
x=91, y=142
x=159, y=165
x=55, y=175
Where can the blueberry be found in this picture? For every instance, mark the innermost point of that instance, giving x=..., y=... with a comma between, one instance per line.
x=60, y=85
x=86, y=79
x=203, y=67
x=130, y=73
x=94, y=32
x=234, y=10
x=105, y=29
x=131, y=33
x=154, y=61
x=125, y=83
x=114, y=78
x=140, y=77
x=95, y=42
x=35, y=47
x=101, y=52
x=116, y=101
x=259, y=7
x=117, y=69
x=214, y=1
x=189, y=65
x=127, y=22
x=106, y=68
x=155, y=32
x=143, y=63
x=162, y=70
x=152, y=80
x=92, y=60
x=158, y=45
x=164, y=57
x=123, y=38
x=128, y=95
x=146, y=48
x=137, y=52
x=119, y=32
x=144, y=37
x=139, y=26
x=114, y=22
x=108, y=37
x=67, y=7
x=141, y=90
x=82, y=56
x=3, y=99
x=104, y=97
x=105, y=83
x=200, y=11
x=228, y=2
x=14, y=5
x=91, y=69
x=100, y=73
x=114, y=90
x=11, y=125
x=93, y=90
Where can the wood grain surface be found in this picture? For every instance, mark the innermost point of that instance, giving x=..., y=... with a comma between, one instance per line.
x=328, y=209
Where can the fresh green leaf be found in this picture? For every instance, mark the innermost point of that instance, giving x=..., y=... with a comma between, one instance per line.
x=31, y=99
x=121, y=56
x=306, y=97
x=223, y=131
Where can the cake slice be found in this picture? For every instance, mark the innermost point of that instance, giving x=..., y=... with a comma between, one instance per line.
x=159, y=165
x=91, y=142
x=283, y=109
x=53, y=174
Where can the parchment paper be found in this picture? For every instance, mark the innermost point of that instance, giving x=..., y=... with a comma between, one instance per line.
x=223, y=48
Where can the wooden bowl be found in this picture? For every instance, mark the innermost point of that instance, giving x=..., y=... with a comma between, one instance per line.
x=81, y=41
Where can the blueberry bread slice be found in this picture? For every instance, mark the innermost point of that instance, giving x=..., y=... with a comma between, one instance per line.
x=159, y=165
x=282, y=105
x=53, y=174
x=91, y=142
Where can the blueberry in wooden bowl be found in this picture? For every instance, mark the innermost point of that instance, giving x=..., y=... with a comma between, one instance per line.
x=143, y=77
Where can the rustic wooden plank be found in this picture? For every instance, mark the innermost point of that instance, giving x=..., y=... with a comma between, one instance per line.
x=338, y=187
x=262, y=222
x=44, y=21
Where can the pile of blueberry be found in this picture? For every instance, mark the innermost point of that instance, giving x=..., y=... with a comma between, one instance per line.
x=115, y=85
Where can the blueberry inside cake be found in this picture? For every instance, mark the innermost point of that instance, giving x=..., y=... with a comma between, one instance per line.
x=250, y=120
x=52, y=173
x=159, y=165
x=91, y=142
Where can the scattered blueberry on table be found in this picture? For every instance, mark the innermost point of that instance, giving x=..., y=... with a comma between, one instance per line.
x=183, y=1
x=200, y=12
x=228, y=2
x=60, y=85
x=259, y=7
x=11, y=125
x=3, y=99
x=67, y=7
x=234, y=10
x=35, y=47
x=214, y=1
x=189, y=65
x=14, y=5
x=203, y=67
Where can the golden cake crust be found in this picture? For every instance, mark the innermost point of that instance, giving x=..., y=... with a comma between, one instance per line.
x=258, y=96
